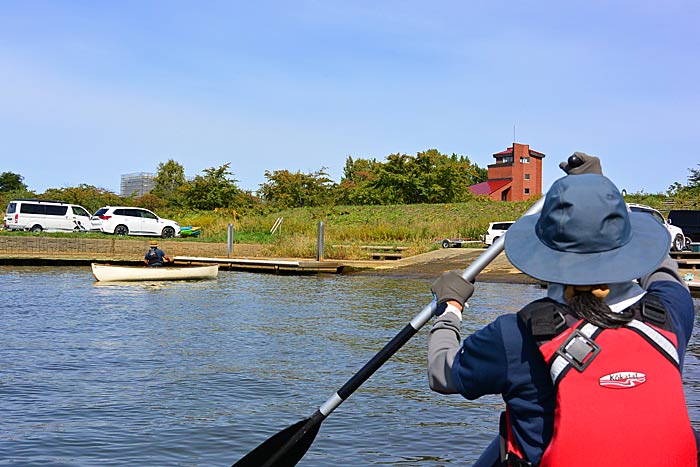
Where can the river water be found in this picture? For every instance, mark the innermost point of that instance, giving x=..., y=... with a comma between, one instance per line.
x=199, y=373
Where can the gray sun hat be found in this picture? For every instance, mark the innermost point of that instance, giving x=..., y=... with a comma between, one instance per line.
x=585, y=235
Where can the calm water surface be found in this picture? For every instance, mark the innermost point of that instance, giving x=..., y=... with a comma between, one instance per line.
x=199, y=373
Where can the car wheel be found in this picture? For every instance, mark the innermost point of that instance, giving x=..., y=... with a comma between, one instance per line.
x=445, y=243
x=36, y=228
x=168, y=232
x=678, y=243
x=121, y=230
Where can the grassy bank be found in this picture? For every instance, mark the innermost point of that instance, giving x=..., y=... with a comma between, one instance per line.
x=413, y=226
x=346, y=228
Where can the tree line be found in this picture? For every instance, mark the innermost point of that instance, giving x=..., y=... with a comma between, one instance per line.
x=427, y=177
x=690, y=190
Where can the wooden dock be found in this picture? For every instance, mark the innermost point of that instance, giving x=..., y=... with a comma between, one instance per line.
x=686, y=259
x=273, y=266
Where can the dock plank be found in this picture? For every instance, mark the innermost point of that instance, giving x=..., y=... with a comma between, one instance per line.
x=267, y=265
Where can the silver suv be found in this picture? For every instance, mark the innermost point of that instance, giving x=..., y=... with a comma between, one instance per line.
x=678, y=240
x=125, y=220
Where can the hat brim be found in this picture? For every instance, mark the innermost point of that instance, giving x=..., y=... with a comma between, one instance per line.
x=648, y=247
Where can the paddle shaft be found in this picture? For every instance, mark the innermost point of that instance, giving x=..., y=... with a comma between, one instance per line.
x=414, y=326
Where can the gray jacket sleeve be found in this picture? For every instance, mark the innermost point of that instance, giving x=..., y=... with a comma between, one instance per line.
x=666, y=271
x=443, y=344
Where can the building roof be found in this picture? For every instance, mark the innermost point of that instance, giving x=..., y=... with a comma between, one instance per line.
x=505, y=153
x=509, y=151
x=490, y=186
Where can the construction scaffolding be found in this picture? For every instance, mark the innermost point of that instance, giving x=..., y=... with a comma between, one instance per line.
x=137, y=184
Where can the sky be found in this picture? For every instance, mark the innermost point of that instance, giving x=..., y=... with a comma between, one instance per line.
x=93, y=90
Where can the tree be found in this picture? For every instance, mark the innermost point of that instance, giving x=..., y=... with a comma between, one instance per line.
x=691, y=190
x=358, y=171
x=395, y=180
x=150, y=201
x=444, y=179
x=427, y=177
x=10, y=181
x=694, y=178
x=355, y=186
x=169, y=181
x=287, y=189
x=212, y=190
x=87, y=196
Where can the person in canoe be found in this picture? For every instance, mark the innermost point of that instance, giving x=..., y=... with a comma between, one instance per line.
x=591, y=374
x=155, y=256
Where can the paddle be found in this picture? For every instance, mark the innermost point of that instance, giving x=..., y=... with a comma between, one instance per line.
x=288, y=446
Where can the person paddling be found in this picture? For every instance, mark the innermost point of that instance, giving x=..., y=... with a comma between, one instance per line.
x=591, y=374
x=155, y=256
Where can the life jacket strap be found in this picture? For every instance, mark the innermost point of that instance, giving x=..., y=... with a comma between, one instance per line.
x=545, y=319
x=547, y=324
x=508, y=456
x=657, y=340
x=513, y=460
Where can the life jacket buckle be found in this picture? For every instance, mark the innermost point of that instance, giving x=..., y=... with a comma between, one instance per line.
x=559, y=322
x=579, y=350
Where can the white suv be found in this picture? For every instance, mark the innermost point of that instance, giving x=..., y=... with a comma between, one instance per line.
x=496, y=229
x=678, y=241
x=124, y=220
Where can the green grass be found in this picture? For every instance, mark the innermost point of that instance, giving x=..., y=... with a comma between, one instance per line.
x=346, y=228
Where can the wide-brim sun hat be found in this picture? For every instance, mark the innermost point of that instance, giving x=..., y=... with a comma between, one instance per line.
x=153, y=243
x=585, y=235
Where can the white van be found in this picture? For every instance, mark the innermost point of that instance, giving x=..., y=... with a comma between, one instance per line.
x=40, y=214
x=495, y=230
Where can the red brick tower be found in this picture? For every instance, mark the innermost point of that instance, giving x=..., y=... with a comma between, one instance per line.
x=522, y=167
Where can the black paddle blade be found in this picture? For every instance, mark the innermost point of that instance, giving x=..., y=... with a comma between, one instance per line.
x=287, y=447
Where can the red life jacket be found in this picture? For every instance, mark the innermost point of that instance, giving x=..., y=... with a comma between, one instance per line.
x=620, y=397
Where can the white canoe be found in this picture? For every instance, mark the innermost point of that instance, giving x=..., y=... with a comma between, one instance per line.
x=106, y=273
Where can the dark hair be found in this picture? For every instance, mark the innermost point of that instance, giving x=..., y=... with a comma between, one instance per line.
x=586, y=306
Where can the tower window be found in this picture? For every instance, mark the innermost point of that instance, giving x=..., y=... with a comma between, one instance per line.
x=527, y=176
x=524, y=160
x=527, y=191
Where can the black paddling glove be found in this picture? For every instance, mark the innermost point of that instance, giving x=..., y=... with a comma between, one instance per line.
x=452, y=286
x=589, y=165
